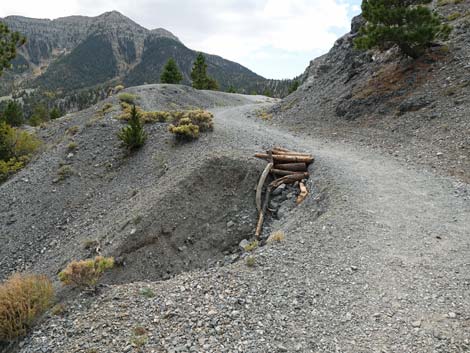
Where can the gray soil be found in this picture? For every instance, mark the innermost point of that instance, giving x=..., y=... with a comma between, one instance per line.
x=384, y=269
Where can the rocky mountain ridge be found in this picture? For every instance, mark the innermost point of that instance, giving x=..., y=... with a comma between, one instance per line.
x=417, y=110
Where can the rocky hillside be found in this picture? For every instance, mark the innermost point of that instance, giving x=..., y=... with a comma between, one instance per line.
x=418, y=110
x=75, y=53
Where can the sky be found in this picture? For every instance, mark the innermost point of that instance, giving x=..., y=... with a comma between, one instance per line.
x=274, y=38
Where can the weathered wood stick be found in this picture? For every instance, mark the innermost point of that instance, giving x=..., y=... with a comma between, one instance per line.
x=286, y=158
x=259, y=188
x=303, y=193
x=288, y=179
x=281, y=149
x=276, y=152
x=259, y=226
x=287, y=172
x=294, y=167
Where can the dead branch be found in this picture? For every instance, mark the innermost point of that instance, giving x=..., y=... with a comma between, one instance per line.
x=259, y=188
x=294, y=167
x=259, y=226
x=285, y=172
x=288, y=179
x=286, y=158
x=303, y=193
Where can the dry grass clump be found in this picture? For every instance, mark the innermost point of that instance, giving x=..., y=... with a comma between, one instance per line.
x=23, y=298
x=277, y=237
x=185, y=130
x=128, y=98
x=85, y=274
x=65, y=172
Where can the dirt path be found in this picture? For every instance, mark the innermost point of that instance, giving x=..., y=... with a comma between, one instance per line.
x=385, y=269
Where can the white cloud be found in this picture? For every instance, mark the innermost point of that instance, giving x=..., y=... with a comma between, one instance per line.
x=240, y=30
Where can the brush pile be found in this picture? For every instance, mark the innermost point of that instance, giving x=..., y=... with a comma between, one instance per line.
x=285, y=167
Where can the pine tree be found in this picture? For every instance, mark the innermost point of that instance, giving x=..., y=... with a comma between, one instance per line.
x=294, y=86
x=40, y=114
x=199, y=75
x=133, y=135
x=55, y=113
x=405, y=23
x=231, y=89
x=9, y=42
x=13, y=114
x=171, y=74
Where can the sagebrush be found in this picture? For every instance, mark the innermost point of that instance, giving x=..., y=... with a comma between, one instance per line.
x=85, y=274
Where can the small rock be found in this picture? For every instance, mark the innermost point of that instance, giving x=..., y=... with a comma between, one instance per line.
x=279, y=190
x=452, y=315
x=230, y=224
x=243, y=244
x=416, y=323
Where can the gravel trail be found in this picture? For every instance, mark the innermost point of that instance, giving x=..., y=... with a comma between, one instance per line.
x=384, y=269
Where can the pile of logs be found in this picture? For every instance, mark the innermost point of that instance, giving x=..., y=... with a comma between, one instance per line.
x=287, y=167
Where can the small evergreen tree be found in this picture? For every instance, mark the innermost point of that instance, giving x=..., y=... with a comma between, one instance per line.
x=267, y=92
x=40, y=114
x=55, y=113
x=231, y=89
x=293, y=87
x=199, y=75
x=171, y=74
x=9, y=42
x=133, y=135
x=405, y=23
x=13, y=114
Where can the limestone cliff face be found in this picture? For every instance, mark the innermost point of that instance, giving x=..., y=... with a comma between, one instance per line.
x=80, y=52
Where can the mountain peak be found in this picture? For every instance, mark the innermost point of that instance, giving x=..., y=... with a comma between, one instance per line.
x=162, y=32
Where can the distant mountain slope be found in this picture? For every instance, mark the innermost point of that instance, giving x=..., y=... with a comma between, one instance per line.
x=95, y=53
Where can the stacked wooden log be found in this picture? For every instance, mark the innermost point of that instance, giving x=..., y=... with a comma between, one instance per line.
x=287, y=167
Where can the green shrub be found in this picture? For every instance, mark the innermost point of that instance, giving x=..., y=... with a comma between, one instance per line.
x=65, y=172
x=16, y=149
x=185, y=130
x=10, y=167
x=85, y=274
x=72, y=146
x=23, y=298
x=128, y=98
x=40, y=115
x=252, y=246
x=55, y=113
x=15, y=143
x=453, y=16
x=133, y=135
x=13, y=114
x=118, y=88
x=250, y=261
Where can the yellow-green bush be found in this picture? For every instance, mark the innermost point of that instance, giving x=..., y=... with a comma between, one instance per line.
x=201, y=118
x=16, y=148
x=23, y=298
x=118, y=88
x=11, y=166
x=185, y=130
x=128, y=98
x=85, y=274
